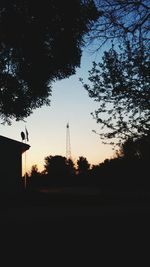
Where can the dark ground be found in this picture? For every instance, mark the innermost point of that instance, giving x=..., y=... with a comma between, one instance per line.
x=73, y=204
x=81, y=225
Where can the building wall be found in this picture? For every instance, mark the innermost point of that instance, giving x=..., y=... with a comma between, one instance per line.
x=10, y=169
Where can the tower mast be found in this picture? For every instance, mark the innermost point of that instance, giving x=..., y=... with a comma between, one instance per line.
x=68, y=144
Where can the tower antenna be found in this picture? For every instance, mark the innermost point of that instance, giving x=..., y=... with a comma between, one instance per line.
x=68, y=144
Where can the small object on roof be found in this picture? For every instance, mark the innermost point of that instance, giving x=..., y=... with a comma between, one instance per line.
x=23, y=136
x=27, y=134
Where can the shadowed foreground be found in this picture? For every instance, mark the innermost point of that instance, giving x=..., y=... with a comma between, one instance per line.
x=75, y=227
x=72, y=204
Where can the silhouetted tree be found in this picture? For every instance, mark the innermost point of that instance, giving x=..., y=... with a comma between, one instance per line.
x=138, y=148
x=40, y=42
x=143, y=145
x=129, y=149
x=120, y=83
x=34, y=170
x=56, y=167
x=83, y=166
x=35, y=179
x=120, y=20
x=71, y=167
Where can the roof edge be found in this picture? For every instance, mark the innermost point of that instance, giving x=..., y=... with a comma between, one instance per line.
x=22, y=145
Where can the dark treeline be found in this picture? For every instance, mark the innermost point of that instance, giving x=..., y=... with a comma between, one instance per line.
x=129, y=169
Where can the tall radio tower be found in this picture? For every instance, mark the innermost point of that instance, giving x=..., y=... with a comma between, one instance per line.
x=68, y=145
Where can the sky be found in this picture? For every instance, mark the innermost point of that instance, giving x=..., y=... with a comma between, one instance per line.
x=47, y=125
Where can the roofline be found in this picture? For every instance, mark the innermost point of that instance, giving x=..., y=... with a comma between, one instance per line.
x=24, y=146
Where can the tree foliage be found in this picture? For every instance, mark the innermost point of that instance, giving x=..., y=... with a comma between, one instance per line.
x=82, y=165
x=136, y=148
x=34, y=171
x=121, y=81
x=40, y=42
x=120, y=20
x=71, y=167
x=58, y=166
x=121, y=85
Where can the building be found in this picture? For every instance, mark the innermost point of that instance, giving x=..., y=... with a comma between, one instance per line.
x=11, y=164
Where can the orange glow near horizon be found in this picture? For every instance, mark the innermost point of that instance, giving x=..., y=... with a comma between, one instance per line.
x=94, y=158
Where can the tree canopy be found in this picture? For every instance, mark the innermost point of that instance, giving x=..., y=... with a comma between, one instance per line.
x=139, y=148
x=120, y=20
x=121, y=81
x=40, y=42
x=82, y=165
x=58, y=166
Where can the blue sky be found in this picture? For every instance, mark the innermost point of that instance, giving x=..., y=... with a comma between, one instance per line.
x=47, y=125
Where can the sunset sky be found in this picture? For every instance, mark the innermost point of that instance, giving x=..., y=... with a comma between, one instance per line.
x=47, y=125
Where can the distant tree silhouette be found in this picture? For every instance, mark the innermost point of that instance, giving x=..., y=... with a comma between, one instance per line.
x=128, y=170
x=128, y=149
x=136, y=148
x=82, y=166
x=56, y=167
x=130, y=167
x=71, y=167
x=34, y=171
x=143, y=146
x=35, y=179
x=40, y=42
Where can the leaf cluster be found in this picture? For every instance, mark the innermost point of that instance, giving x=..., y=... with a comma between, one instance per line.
x=40, y=42
x=119, y=20
x=121, y=86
